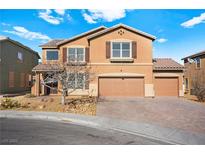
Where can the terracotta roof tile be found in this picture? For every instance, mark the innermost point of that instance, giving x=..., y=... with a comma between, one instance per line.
x=46, y=67
x=52, y=43
x=166, y=64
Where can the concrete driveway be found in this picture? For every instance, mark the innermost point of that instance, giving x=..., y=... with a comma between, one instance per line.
x=166, y=111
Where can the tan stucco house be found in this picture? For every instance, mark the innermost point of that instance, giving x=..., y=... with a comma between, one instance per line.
x=194, y=70
x=122, y=58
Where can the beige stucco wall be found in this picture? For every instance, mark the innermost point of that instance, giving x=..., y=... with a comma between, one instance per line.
x=100, y=65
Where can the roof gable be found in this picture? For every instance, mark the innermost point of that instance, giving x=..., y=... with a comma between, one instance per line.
x=121, y=26
x=199, y=54
x=81, y=35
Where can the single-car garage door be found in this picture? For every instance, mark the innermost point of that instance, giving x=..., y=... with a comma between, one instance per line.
x=121, y=86
x=166, y=86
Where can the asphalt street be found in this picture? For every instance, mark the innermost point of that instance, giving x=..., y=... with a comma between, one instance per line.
x=41, y=132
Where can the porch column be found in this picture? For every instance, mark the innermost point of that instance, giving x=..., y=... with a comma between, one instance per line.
x=35, y=90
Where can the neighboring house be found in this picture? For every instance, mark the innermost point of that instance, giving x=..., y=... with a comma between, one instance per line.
x=194, y=70
x=16, y=63
x=121, y=58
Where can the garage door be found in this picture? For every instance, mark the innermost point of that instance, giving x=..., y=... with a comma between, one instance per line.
x=166, y=86
x=121, y=86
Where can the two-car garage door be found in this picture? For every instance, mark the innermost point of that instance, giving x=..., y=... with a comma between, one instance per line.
x=121, y=86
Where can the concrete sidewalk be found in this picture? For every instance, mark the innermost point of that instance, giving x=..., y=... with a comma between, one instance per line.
x=168, y=135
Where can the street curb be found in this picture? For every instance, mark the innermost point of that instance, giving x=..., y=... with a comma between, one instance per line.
x=167, y=135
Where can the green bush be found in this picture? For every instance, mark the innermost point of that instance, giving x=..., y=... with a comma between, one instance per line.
x=8, y=103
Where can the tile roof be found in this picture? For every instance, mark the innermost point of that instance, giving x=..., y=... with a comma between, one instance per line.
x=202, y=53
x=52, y=43
x=166, y=64
x=46, y=67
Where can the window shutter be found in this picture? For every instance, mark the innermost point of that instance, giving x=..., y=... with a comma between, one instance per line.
x=107, y=49
x=134, y=49
x=64, y=55
x=11, y=79
x=87, y=54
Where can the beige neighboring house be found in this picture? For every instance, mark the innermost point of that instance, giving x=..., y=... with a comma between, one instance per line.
x=122, y=59
x=194, y=70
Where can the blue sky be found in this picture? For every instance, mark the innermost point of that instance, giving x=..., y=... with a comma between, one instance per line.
x=179, y=32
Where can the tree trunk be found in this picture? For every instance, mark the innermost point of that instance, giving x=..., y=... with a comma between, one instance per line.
x=63, y=97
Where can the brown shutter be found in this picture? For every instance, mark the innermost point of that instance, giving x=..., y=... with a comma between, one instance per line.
x=134, y=49
x=87, y=54
x=107, y=49
x=64, y=55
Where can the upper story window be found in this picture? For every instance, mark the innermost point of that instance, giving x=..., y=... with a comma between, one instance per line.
x=121, y=50
x=198, y=62
x=52, y=55
x=76, y=54
x=20, y=56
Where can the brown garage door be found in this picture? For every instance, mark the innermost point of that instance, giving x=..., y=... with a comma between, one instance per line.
x=120, y=86
x=166, y=86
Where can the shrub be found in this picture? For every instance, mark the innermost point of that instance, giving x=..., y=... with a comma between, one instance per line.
x=8, y=103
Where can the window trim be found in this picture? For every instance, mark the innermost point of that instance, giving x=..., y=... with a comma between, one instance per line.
x=120, y=41
x=75, y=47
x=52, y=50
x=199, y=63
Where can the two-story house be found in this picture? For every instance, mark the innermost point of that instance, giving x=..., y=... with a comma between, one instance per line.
x=121, y=57
x=16, y=64
x=194, y=70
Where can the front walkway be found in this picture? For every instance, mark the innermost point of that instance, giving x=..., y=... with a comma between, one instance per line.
x=167, y=112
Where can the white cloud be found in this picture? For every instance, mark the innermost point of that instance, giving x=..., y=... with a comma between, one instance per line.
x=24, y=33
x=162, y=40
x=5, y=24
x=46, y=15
x=194, y=21
x=94, y=16
x=60, y=11
x=88, y=18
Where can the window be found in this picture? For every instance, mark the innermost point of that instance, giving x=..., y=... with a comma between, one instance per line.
x=77, y=81
x=76, y=54
x=121, y=50
x=198, y=64
x=186, y=83
x=20, y=56
x=52, y=55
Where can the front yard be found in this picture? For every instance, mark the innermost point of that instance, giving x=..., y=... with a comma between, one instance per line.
x=80, y=105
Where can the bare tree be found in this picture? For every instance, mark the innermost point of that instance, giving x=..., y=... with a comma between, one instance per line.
x=71, y=76
x=198, y=84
